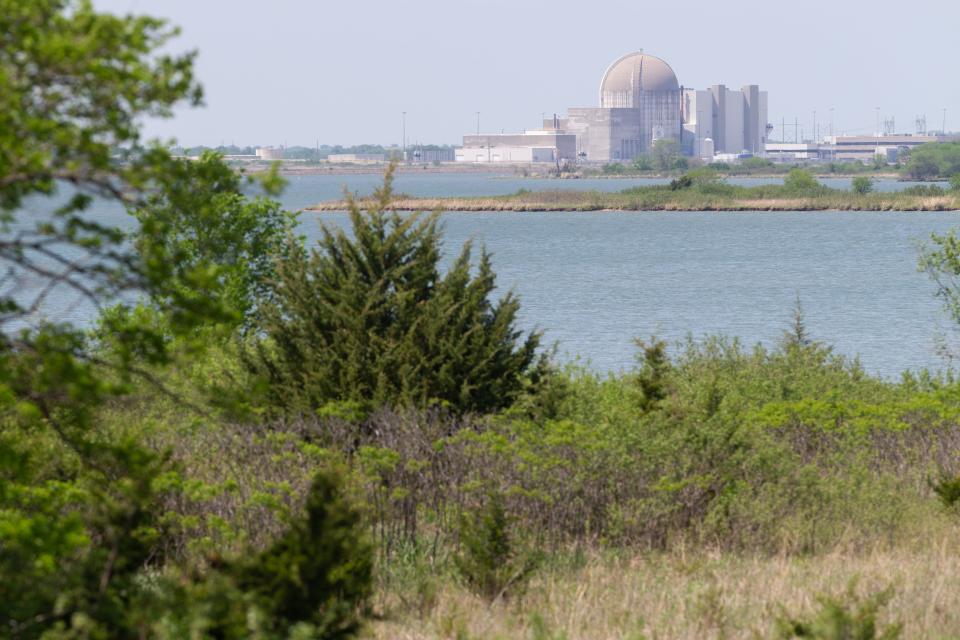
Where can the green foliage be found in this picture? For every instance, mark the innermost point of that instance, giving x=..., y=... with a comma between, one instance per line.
x=683, y=182
x=846, y=618
x=613, y=168
x=79, y=509
x=653, y=372
x=932, y=190
x=800, y=181
x=369, y=318
x=665, y=154
x=797, y=336
x=947, y=489
x=72, y=551
x=932, y=160
x=312, y=582
x=955, y=182
x=84, y=524
x=861, y=185
x=490, y=561
x=940, y=258
x=643, y=163
x=229, y=237
x=757, y=164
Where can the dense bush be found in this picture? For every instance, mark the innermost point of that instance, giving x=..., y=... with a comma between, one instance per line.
x=491, y=561
x=845, y=618
x=311, y=582
x=790, y=449
x=932, y=160
x=369, y=319
x=800, y=182
x=861, y=185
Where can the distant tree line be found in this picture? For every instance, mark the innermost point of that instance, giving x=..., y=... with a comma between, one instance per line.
x=934, y=160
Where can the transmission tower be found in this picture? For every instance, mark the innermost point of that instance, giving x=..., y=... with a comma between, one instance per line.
x=889, y=126
x=921, y=123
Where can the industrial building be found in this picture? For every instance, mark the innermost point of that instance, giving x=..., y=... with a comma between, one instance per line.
x=719, y=120
x=641, y=101
x=530, y=146
x=639, y=104
x=355, y=158
x=847, y=148
x=431, y=154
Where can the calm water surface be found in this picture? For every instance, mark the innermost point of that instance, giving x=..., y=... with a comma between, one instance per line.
x=593, y=281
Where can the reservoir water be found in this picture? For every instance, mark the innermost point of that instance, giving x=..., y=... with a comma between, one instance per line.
x=595, y=281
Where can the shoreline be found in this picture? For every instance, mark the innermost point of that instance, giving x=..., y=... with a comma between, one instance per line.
x=618, y=202
x=533, y=172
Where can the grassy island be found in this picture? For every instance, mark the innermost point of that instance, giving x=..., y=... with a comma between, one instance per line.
x=698, y=190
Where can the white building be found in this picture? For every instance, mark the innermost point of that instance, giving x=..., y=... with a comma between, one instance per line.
x=527, y=147
x=735, y=121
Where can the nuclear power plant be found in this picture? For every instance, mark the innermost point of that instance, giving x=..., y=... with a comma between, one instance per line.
x=641, y=101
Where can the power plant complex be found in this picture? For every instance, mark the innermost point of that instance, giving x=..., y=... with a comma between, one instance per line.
x=641, y=102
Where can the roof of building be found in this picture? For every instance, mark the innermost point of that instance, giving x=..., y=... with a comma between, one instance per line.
x=633, y=73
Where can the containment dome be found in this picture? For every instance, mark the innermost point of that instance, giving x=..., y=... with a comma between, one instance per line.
x=633, y=74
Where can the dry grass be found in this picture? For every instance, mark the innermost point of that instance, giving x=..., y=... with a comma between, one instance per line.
x=691, y=595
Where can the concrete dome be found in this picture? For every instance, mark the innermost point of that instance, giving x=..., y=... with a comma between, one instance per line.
x=632, y=74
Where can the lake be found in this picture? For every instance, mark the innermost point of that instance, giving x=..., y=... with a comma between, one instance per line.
x=593, y=281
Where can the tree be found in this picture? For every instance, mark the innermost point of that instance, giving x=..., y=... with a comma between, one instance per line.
x=369, y=319
x=233, y=239
x=934, y=159
x=81, y=506
x=861, y=185
x=941, y=260
x=312, y=582
x=665, y=153
x=800, y=181
x=643, y=163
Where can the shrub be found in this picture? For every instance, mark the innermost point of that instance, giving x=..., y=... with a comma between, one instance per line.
x=613, y=168
x=955, y=182
x=754, y=164
x=846, y=618
x=862, y=185
x=653, y=372
x=947, y=489
x=934, y=159
x=369, y=319
x=923, y=190
x=312, y=582
x=800, y=181
x=490, y=561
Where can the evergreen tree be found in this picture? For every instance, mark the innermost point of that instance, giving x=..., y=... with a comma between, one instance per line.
x=370, y=319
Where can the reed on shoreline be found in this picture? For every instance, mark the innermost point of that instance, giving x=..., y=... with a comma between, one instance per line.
x=687, y=194
x=560, y=200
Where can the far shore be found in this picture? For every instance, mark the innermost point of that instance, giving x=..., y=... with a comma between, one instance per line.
x=664, y=200
x=525, y=171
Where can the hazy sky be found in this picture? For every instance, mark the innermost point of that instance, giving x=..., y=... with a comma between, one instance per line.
x=343, y=71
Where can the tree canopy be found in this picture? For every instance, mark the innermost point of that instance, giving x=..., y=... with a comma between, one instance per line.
x=370, y=319
x=82, y=506
x=934, y=160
